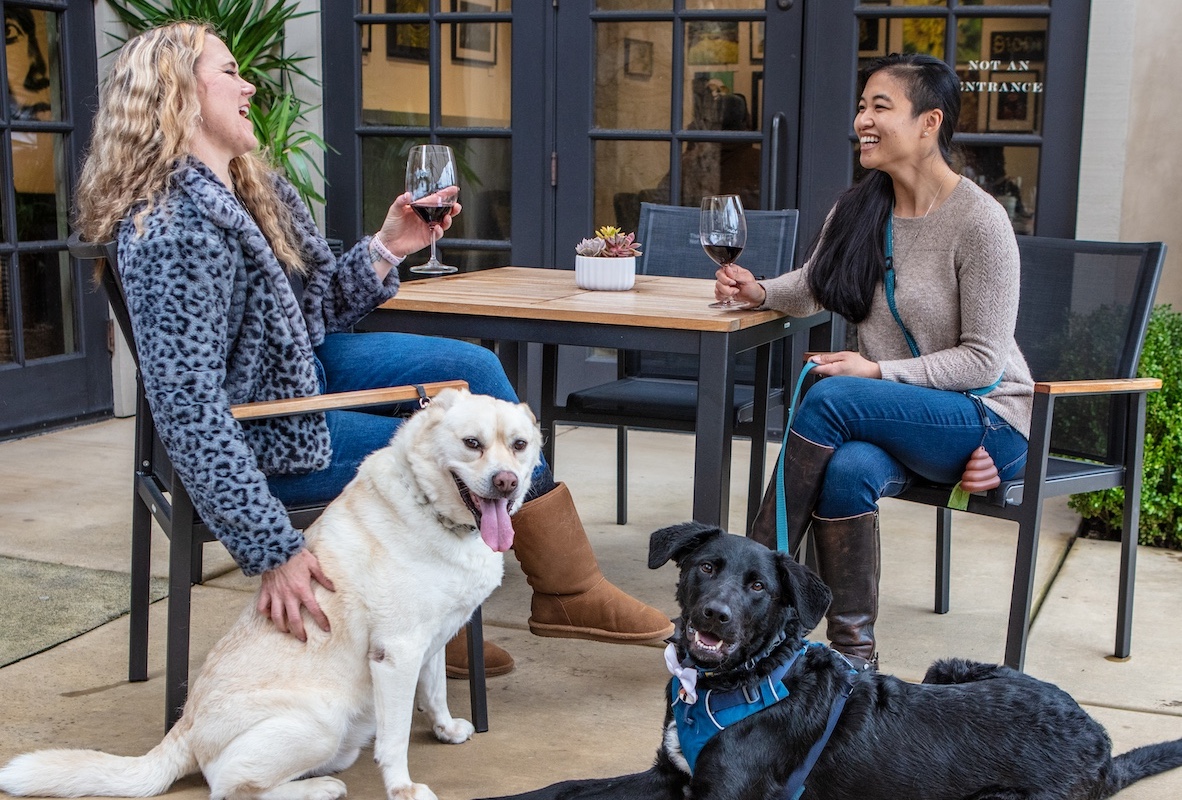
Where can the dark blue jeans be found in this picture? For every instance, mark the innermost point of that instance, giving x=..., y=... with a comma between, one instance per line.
x=885, y=433
x=350, y=361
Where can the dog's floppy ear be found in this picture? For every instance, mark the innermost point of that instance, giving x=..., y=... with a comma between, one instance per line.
x=806, y=591
x=676, y=540
x=447, y=397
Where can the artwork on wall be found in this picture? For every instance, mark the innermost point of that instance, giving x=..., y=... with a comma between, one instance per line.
x=1015, y=109
x=367, y=30
x=758, y=36
x=873, y=34
x=474, y=42
x=1018, y=46
x=408, y=40
x=638, y=58
x=712, y=42
x=756, y=97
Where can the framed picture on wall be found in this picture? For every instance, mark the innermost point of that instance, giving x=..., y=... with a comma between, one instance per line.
x=638, y=58
x=712, y=42
x=873, y=34
x=367, y=30
x=474, y=42
x=756, y=97
x=758, y=35
x=408, y=40
x=1016, y=109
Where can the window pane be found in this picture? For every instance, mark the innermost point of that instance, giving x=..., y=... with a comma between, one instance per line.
x=38, y=179
x=47, y=304
x=720, y=168
x=707, y=79
x=633, y=5
x=476, y=67
x=1011, y=175
x=1002, y=65
x=626, y=174
x=34, y=75
x=632, y=75
x=1005, y=2
x=383, y=175
x=708, y=5
x=7, y=350
x=395, y=76
x=485, y=183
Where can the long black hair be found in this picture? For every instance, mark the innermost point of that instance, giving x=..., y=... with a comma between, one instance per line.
x=847, y=264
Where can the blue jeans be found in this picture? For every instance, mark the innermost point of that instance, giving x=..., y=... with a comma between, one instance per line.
x=886, y=433
x=350, y=361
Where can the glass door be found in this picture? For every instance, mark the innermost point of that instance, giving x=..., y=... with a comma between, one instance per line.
x=54, y=362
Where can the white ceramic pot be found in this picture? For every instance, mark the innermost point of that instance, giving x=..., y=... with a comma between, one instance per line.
x=605, y=274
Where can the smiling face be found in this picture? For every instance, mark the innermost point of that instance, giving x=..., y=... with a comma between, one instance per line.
x=225, y=131
x=891, y=135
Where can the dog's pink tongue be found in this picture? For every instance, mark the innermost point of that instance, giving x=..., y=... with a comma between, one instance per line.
x=495, y=528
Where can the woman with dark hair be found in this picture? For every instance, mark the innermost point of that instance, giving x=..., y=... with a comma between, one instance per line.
x=926, y=264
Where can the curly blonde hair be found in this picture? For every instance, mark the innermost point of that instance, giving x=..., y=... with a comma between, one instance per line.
x=148, y=110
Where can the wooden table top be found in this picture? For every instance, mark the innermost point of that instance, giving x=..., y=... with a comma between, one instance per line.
x=550, y=294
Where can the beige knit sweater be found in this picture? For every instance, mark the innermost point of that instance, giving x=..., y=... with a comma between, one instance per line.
x=956, y=289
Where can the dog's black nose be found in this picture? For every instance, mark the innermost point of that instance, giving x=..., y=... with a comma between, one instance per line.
x=505, y=481
x=717, y=611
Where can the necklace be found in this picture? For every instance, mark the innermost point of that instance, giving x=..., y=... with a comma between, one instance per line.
x=922, y=220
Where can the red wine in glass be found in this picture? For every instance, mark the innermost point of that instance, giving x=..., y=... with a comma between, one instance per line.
x=723, y=232
x=433, y=186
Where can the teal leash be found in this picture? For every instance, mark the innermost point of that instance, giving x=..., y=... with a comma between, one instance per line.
x=781, y=498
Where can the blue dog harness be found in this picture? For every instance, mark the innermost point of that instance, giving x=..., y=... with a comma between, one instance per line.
x=700, y=719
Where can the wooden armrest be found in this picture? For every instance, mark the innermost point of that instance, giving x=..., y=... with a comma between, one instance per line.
x=1118, y=386
x=341, y=400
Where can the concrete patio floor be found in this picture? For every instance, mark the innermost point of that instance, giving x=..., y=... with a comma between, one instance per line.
x=571, y=708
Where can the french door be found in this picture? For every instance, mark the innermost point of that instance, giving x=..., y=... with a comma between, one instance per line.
x=54, y=363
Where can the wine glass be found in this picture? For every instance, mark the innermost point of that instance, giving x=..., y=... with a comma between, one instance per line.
x=723, y=231
x=431, y=181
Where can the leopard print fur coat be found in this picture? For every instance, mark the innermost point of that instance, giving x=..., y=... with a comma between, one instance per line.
x=217, y=322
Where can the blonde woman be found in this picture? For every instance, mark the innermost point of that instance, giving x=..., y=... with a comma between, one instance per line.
x=234, y=297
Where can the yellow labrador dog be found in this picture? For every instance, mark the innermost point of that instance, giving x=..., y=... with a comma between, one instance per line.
x=413, y=545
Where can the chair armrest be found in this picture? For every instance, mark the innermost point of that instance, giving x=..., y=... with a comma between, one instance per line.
x=341, y=400
x=1117, y=386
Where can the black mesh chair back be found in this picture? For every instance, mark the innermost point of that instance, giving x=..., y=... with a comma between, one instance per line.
x=671, y=246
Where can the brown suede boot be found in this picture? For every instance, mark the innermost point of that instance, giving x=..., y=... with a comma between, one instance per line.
x=804, y=472
x=849, y=562
x=496, y=660
x=572, y=599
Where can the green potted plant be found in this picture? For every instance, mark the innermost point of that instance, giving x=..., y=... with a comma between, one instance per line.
x=607, y=261
x=253, y=30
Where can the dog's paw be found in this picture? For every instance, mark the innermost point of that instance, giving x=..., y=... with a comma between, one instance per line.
x=322, y=788
x=415, y=791
x=457, y=731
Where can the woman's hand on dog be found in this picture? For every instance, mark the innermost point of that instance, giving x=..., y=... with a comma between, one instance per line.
x=287, y=588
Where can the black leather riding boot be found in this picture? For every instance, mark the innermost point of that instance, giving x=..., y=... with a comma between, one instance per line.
x=804, y=471
x=849, y=561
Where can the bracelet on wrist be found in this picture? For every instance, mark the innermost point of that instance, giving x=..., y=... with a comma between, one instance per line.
x=383, y=253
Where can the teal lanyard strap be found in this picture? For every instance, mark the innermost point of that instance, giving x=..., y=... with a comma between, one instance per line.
x=889, y=286
x=781, y=497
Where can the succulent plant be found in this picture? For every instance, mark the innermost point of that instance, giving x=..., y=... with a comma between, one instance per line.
x=609, y=242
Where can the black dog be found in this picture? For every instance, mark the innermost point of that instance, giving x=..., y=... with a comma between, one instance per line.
x=969, y=730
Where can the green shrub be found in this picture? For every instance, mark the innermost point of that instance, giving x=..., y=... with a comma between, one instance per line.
x=1161, y=490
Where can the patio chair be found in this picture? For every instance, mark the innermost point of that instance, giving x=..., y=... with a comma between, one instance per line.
x=1081, y=324
x=159, y=494
x=659, y=391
